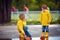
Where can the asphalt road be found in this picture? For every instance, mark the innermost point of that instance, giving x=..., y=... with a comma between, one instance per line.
x=10, y=31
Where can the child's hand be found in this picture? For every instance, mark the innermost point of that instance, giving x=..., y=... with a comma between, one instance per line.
x=19, y=31
x=23, y=33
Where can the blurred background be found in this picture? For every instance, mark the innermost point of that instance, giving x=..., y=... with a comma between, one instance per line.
x=34, y=7
x=11, y=9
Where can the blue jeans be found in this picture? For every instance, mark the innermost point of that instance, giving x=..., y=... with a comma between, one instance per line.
x=26, y=31
x=45, y=29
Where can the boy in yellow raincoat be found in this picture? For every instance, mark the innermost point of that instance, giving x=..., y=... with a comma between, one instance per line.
x=22, y=28
x=45, y=19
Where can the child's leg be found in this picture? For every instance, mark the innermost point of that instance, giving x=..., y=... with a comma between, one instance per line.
x=47, y=32
x=43, y=31
x=26, y=32
x=26, y=14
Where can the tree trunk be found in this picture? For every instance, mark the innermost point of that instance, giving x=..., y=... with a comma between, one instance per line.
x=5, y=11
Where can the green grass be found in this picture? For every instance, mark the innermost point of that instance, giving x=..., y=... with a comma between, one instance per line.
x=33, y=18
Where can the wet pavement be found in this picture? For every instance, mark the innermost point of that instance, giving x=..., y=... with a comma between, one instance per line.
x=37, y=38
x=10, y=31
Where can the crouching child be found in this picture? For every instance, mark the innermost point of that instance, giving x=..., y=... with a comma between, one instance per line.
x=22, y=28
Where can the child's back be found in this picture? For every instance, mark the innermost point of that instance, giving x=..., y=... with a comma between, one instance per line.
x=45, y=17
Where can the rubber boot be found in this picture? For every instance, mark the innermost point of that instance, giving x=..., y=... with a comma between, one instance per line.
x=43, y=33
x=47, y=38
x=47, y=35
x=21, y=37
x=28, y=38
x=42, y=38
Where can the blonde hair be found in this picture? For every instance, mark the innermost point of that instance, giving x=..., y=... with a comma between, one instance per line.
x=21, y=15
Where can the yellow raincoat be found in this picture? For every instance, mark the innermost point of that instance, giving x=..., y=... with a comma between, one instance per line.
x=20, y=25
x=45, y=18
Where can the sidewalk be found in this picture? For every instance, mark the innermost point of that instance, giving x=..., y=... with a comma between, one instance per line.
x=10, y=31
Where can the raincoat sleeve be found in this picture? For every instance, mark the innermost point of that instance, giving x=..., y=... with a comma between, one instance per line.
x=20, y=27
x=40, y=17
x=49, y=17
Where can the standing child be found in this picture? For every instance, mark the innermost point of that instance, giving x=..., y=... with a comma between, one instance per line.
x=22, y=28
x=45, y=19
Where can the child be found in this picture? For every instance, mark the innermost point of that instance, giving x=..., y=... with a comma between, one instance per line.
x=22, y=28
x=45, y=19
x=26, y=12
